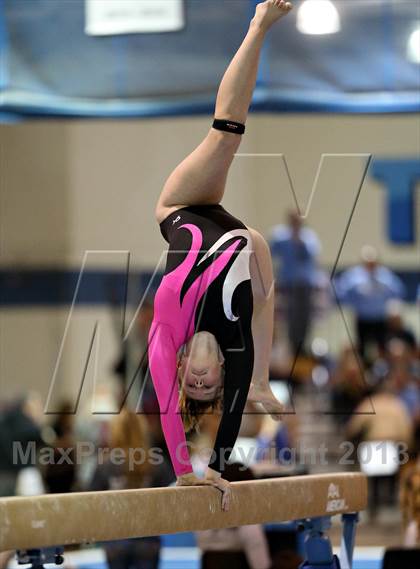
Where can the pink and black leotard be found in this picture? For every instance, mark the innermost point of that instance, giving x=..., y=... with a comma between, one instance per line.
x=206, y=286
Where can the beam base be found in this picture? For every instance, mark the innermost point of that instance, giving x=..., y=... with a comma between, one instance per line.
x=348, y=539
x=318, y=549
x=37, y=557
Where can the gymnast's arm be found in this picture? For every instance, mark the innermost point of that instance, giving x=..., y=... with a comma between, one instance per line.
x=162, y=363
x=163, y=369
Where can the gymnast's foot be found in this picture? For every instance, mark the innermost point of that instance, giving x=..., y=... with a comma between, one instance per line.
x=266, y=398
x=269, y=12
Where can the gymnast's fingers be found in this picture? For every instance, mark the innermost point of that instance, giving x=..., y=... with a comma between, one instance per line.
x=192, y=480
x=226, y=498
x=226, y=490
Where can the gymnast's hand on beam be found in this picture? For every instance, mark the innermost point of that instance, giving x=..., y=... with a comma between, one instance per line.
x=213, y=479
x=222, y=485
x=191, y=479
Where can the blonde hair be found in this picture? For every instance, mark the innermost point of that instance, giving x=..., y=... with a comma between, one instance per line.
x=192, y=410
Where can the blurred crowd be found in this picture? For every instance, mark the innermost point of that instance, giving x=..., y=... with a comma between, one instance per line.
x=370, y=389
x=371, y=386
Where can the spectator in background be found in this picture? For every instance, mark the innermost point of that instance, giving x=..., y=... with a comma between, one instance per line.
x=151, y=413
x=349, y=382
x=396, y=329
x=403, y=375
x=295, y=249
x=381, y=417
x=367, y=288
x=250, y=540
x=20, y=423
x=128, y=431
x=132, y=362
x=410, y=504
x=282, y=438
x=60, y=476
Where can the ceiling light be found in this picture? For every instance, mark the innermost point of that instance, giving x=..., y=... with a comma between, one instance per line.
x=413, y=46
x=317, y=17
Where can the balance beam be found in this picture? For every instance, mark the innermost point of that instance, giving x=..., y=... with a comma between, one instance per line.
x=88, y=517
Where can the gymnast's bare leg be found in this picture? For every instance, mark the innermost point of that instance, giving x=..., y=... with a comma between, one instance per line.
x=261, y=269
x=201, y=177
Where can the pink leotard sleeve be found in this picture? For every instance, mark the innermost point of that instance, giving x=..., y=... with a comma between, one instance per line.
x=162, y=363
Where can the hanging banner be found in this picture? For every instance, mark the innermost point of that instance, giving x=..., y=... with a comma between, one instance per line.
x=112, y=17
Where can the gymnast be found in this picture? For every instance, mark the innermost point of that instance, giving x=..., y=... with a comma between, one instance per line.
x=211, y=335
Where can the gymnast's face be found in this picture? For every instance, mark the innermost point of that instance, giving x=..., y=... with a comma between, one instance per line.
x=201, y=367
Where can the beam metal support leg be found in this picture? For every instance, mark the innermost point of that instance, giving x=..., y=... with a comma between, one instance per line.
x=348, y=539
x=318, y=549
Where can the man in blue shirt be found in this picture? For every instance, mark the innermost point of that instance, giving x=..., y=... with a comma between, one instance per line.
x=295, y=249
x=367, y=288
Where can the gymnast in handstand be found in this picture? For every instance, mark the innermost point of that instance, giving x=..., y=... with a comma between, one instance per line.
x=211, y=336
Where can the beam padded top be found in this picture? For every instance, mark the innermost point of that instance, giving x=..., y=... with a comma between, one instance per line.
x=64, y=519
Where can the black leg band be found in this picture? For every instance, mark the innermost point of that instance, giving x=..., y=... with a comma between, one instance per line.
x=229, y=126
